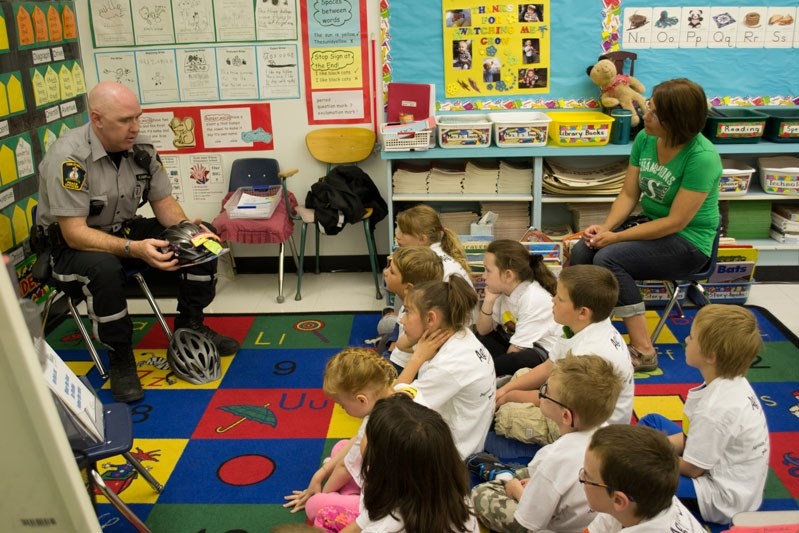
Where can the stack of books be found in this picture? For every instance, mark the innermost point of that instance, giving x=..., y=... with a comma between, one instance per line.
x=481, y=177
x=409, y=179
x=515, y=177
x=785, y=223
x=446, y=177
x=458, y=221
x=513, y=218
x=607, y=179
x=747, y=220
x=584, y=215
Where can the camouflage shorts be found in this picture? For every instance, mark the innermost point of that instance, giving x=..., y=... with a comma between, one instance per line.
x=525, y=422
x=494, y=508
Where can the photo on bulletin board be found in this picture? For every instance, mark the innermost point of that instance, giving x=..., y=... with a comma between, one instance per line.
x=492, y=49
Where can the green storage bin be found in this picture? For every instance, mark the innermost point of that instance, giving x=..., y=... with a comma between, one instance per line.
x=782, y=124
x=734, y=125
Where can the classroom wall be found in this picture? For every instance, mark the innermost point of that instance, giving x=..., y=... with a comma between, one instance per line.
x=290, y=124
x=578, y=30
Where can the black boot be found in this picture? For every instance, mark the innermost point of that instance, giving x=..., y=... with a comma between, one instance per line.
x=125, y=384
x=224, y=345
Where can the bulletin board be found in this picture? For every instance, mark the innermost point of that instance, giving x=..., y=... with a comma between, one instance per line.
x=494, y=49
x=579, y=31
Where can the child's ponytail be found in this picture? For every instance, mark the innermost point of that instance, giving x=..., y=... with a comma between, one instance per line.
x=455, y=299
x=512, y=255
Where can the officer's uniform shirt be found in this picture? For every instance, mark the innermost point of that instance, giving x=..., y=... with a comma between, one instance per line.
x=77, y=170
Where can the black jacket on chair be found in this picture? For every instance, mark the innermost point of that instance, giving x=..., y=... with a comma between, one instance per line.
x=342, y=197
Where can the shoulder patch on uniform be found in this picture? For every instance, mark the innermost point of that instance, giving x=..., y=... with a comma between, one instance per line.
x=72, y=175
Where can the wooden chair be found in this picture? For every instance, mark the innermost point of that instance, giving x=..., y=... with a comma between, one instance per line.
x=336, y=146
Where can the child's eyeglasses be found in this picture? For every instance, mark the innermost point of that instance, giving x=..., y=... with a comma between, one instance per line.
x=542, y=393
x=585, y=481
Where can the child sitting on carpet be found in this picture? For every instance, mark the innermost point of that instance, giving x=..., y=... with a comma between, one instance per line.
x=583, y=303
x=724, y=440
x=355, y=378
x=456, y=374
x=407, y=267
x=629, y=477
x=421, y=226
x=414, y=479
x=515, y=321
x=579, y=395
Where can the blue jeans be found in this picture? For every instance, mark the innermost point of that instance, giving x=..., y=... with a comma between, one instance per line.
x=666, y=258
x=686, y=489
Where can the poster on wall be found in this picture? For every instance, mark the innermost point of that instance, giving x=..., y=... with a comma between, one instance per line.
x=493, y=49
x=184, y=130
x=336, y=61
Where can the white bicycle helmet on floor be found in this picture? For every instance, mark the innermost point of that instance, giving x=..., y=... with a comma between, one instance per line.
x=193, y=357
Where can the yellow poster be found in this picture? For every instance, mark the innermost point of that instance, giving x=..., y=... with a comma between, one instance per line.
x=496, y=48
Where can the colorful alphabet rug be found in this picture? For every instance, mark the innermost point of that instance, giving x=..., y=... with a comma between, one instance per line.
x=229, y=451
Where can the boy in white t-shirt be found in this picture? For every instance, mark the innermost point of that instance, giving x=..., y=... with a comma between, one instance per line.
x=630, y=475
x=579, y=395
x=408, y=266
x=724, y=442
x=583, y=303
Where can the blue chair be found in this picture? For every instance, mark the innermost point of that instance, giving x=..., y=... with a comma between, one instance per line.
x=118, y=440
x=261, y=173
x=672, y=287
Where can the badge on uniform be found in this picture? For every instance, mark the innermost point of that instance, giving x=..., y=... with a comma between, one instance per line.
x=72, y=175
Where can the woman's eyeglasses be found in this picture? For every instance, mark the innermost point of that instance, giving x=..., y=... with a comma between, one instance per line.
x=542, y=393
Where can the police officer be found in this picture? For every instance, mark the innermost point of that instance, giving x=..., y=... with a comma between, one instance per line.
x=91, y=182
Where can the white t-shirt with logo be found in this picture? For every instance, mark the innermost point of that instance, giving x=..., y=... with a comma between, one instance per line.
x=602, y=339
x=674, y=519
x=727, y=435
x=460, y=384
x=554, y=499
x=529, y=308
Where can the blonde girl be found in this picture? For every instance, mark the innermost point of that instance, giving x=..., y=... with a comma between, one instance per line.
x=421, y=226
x=515, y=321
x=355, y=378
x=455, y=372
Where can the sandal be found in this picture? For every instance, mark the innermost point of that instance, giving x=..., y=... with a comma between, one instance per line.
x=643, y=362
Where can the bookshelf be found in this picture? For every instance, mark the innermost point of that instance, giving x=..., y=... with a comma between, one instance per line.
x=771, y=253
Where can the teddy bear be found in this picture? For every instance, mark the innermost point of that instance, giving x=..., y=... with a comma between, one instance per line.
x=618, y=89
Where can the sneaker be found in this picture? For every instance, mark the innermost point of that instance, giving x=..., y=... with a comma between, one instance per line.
x=642, y=362
x=224, y=345
x=488, y=467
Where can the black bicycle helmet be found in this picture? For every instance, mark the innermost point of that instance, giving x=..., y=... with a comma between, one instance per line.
x=179, y=237
x=193, y=357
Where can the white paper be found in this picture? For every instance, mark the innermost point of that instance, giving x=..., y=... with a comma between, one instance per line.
x=205, y=179
x=152, y=20
x=222, y=128
x=111, y=23
x=278, y=72
x=197, y=74
x=235, y=20
x=194, y=21
x=276, y=21
x=158, y=81
x=237, y=73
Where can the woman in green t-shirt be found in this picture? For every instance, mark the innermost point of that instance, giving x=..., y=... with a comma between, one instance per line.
x=674, y=172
